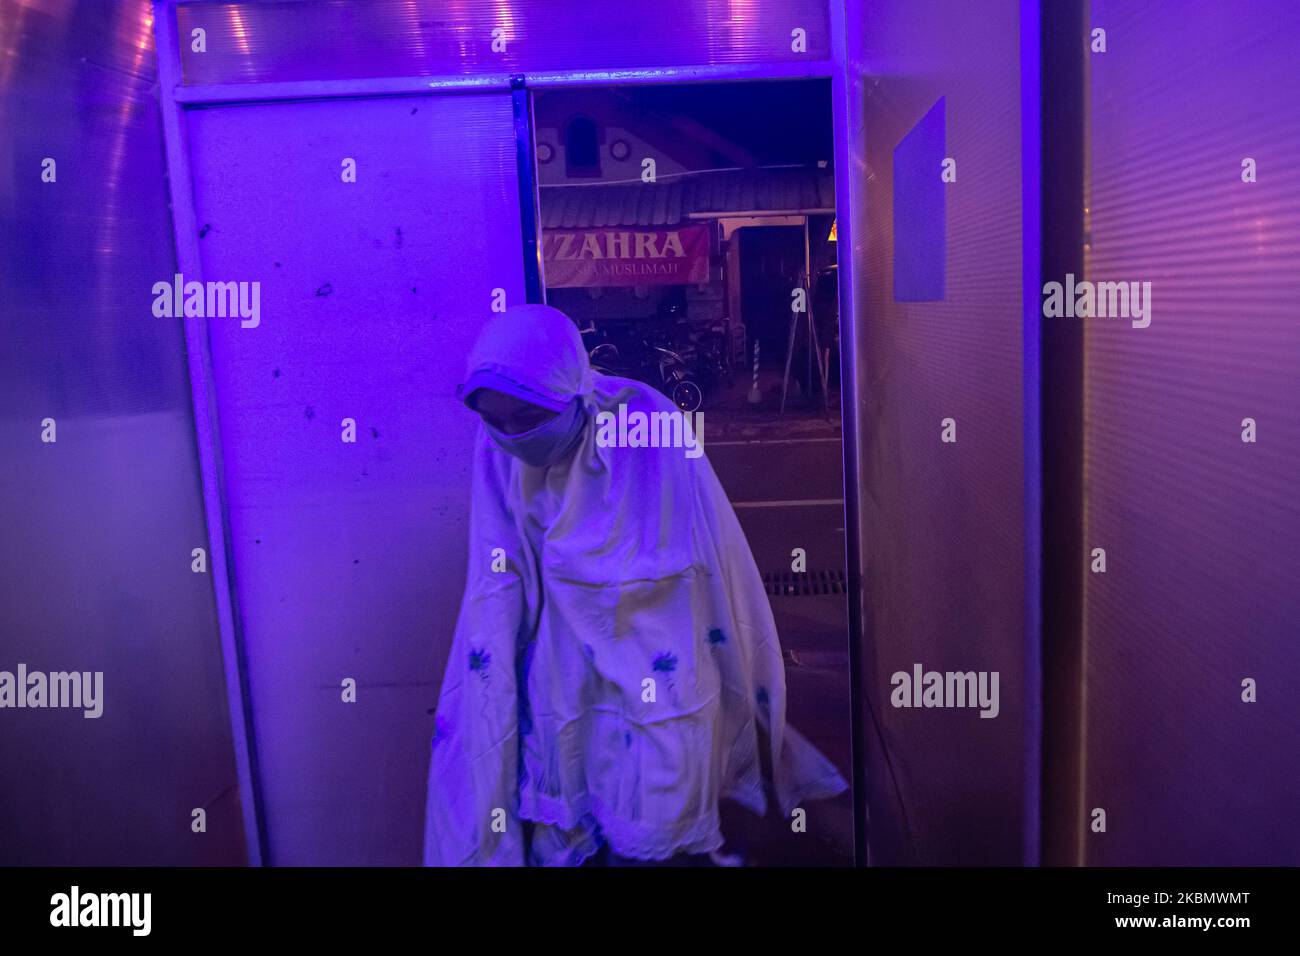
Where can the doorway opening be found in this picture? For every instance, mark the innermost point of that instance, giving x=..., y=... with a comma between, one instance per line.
x=690, y=232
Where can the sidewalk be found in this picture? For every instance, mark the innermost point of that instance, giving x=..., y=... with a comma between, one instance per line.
x=730, y=417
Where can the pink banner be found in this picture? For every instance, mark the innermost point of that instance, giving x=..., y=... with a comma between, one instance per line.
x=619, y=256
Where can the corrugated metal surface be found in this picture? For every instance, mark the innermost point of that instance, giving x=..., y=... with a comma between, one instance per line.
x=942, y=526
x=349, y=558
x=96, y=528
x=668, y=202
x=1202, y=587
x=285, y=41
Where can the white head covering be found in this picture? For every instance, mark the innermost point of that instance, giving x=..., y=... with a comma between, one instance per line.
x=534, y=348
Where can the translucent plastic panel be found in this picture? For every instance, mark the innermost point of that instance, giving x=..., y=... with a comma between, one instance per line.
x=100, y=497
x=261, y=42
x=1200, y=527
x=349, y=557
x=941, y=419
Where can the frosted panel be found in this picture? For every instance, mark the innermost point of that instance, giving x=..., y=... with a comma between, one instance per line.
x=349, y=556
x=98, y=525
x=1202, y=587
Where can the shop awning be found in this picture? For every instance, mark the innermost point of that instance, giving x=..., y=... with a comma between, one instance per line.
x=673, y=200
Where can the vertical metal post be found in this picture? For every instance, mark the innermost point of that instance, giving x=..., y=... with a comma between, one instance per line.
x=207, y=435
x=1031, y=397
x=529, y=213
x=846, y=106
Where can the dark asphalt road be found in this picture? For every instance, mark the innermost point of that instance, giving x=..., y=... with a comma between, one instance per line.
x=789, y=494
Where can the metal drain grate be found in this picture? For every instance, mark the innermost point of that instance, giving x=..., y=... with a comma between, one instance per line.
x=799, y=584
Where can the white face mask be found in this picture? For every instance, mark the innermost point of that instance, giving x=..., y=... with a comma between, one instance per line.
x=548, y=442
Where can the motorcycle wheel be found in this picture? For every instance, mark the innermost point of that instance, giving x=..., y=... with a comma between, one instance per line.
x=687, y=396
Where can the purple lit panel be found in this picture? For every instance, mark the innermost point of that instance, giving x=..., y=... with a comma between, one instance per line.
x=919, y=210
x=1201, y=530
x=942, y=525
x=349, y=557
x=260, y=42
x=97, y=527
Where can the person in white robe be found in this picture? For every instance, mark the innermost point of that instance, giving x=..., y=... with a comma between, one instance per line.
x=615, y=670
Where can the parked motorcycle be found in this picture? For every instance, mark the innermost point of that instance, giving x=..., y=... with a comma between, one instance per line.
x=677, y=380
x=712, y=357
x=657, y=365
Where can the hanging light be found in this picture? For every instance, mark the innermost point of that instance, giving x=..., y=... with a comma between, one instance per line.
x=831, y=237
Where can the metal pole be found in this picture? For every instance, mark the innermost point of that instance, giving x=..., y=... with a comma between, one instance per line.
x=530, y=218
x=850, y=199
x=206, y=438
